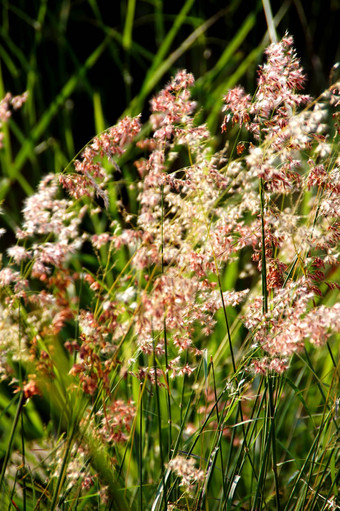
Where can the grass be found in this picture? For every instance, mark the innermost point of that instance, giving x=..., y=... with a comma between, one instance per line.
x=136, y=370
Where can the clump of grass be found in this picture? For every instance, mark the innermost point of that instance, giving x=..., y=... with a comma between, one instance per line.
x=180, y=353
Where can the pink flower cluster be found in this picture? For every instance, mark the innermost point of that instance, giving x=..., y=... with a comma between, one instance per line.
x=110, y=143
x=290, y=322
x=6, y=103
x=276, y=97
x=198, y=212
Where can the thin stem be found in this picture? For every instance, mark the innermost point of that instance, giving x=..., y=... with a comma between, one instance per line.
x=263, y=256
x=227, y=323
x=11, y=437
x=62, y=473
x=270, y=21
x=141, y=449
x=220, y=425
x=159, y=424
x=23, y=458
x=273, y=439
x=165, y=330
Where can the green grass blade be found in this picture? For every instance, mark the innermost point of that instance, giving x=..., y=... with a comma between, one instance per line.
x=127, y=34
x=65, y=93
x=11, y=437
x=163, y=67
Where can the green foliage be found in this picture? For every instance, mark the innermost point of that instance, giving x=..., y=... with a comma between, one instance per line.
x=109, y=436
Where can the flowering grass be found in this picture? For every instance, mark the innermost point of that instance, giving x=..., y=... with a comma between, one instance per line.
x=171, y=342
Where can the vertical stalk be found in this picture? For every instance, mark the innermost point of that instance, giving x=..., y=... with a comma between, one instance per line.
x=141, y=449
x=273, y=440
x=11, y=437
x=227, y=323
x=271, y=407
x=159, y=425
x=23, y=458
x=23, y=455
x=63, y=469
x=164, y=330
x=270, y=21
x=220, y=426
x=239, y=404
x=263, y=254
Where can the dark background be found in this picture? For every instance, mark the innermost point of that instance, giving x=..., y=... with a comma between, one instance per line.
x=70, y=30
x=45, y=45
